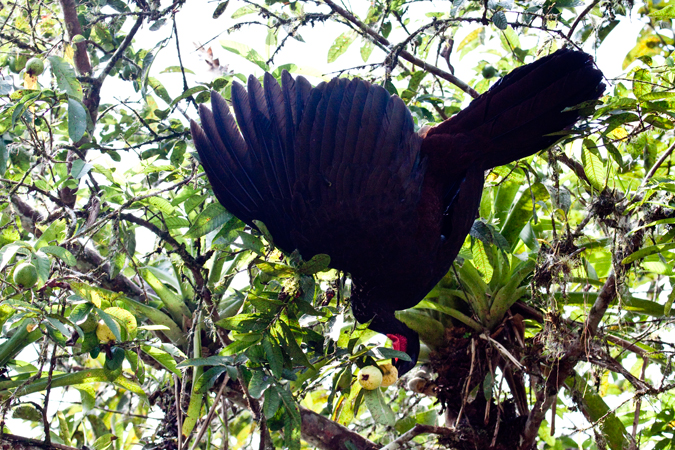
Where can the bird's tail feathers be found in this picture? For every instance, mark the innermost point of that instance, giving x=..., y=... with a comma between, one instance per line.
x=519, y=114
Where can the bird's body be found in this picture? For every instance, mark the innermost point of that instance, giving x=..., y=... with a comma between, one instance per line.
x=338, y=169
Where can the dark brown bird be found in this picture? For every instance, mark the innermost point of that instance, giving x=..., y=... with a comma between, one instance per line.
x=339, y=169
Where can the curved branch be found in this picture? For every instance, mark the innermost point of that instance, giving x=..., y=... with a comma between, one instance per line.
x=403, y=54
x=400, y=443
x=80, y=58
x=13, y=442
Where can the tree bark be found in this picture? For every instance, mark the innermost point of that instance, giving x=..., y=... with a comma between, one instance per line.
x=13, y=442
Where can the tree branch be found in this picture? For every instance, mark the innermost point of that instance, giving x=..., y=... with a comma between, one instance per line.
x=400, y=443
x=404, y=54
x=317, y=430
x=13, y=442
x=564, y=367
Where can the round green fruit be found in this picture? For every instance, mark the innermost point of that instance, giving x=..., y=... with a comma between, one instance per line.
x=370, y=378
x=489, y=72
x=25, y=275
x=17, y=63
x=35, y=67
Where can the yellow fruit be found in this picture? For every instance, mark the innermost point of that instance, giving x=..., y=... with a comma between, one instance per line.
x=370, y=378
x=104, y=333
x=25, y=275
x=389, y=374
x=128, y=320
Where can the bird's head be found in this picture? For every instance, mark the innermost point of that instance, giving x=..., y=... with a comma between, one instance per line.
x=403, y=338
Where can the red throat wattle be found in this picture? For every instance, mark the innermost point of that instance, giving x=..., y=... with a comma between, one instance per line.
x=398, y=342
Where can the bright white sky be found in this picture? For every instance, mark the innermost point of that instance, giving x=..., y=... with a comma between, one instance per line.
x=195, y=25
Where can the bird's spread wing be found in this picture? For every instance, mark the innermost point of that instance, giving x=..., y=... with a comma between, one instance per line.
x=319, y=166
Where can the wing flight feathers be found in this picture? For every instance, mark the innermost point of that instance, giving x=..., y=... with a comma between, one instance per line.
x=310, y=161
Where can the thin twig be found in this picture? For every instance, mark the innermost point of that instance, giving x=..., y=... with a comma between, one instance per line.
x=400, y=442
x=179, y=416
x=657, y=164
x=404, y=54
x=580, y=17
x=209, y=416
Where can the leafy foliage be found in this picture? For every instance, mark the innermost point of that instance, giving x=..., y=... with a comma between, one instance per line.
x=567, y=275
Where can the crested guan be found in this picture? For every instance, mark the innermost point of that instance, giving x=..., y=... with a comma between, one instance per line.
x=339, y=169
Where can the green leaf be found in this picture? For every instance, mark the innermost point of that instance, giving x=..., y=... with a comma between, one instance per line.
x=341, y=45
x=176, y=69
x=42, y=264
x=213, y=217
x=366, y=50
x=104, y=442
x=272, y=401
x=239, y=346
x=208, y=379
x=389, y=353
x=159, y=89
x=488, y=385
x=187, y=93
x=251, y=242
x=157, y=317
x=165, y=359
x=244, y=10
x=276, y=269
x=245, y=322
x=297, y=355
x=291, y=406
x=499, y=19
x=481, y=260
x=4, y=157
x=25, y=334
x=61, y=253
x=258, y=383
x=667, y=12
x=162, y=204
x=378, y=407
x=77, y=120
x=172, y=301
x=66, y=79
x=509, y=39
x=80, y=169
x=220, y=9
x=596, y=411
x=275, y=357
x=215, y=360
x=642, y=83
x=54, y=233
x=246, y=52
x=646, y=251
x=112, y=324
x=593, y=166
x=628, y=303
x=522, y=212
x=318, y=263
